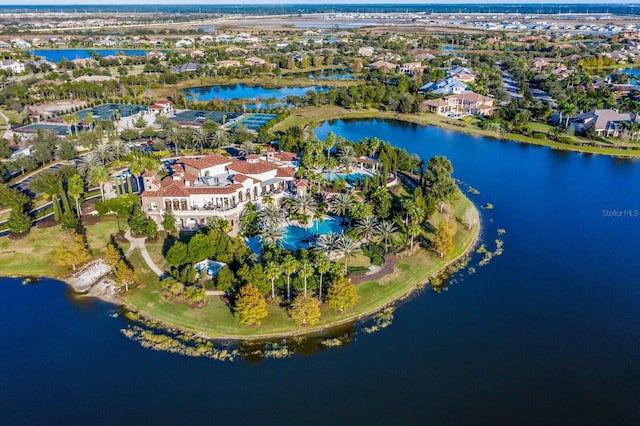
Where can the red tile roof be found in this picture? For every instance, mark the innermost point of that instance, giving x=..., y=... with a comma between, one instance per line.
x=206, y=161
x=285, y=172
x=252, y=168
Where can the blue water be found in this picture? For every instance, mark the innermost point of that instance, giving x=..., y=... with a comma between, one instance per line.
x=294, y=235
x=242, y=91
x=331, y=75
x=547, y=333
x=57, y=55
x=351, y=178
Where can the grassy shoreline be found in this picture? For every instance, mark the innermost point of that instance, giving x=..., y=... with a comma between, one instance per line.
x=312, y=116
x=215, y=321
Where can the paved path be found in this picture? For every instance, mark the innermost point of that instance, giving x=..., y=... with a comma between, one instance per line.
x=138, y=243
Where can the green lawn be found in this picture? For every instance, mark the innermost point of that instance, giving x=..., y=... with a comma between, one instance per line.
x=34, y=254
x=216, y=319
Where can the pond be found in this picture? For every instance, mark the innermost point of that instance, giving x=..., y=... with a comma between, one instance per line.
x=243, y=91
x=546, y=333
x=57, y=55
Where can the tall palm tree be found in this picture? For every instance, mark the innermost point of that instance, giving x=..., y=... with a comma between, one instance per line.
x=324, y=265
x=74, y=121
x=104, y=152
x=413, y=230
x=137, y=169
x=75, y=189
x=99, y=176
x=272, y=271
x=246, y=148
x=200, y=137
x=118, y=148
x=89, y=121
x=219, y=138
x=271, y=233
x=68, y=121
x=387, y=231
x=366, y=226
x=289, y=266
x=88, y=162
x=174, y=136
x=47, y=182
x=347, y=246
x=269, y=213
x=329, y=142
x=342, y=204
x=306, y=270
x=373, y=145
x=328, y=242
x=347, y=156
x=304, y=204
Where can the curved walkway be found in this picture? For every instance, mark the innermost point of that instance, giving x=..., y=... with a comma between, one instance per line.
x=138, y=243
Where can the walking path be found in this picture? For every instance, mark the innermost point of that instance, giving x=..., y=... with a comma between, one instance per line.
x=138, y=243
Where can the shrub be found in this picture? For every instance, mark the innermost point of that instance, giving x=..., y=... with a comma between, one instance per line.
x=565, y=139
x=539, y=135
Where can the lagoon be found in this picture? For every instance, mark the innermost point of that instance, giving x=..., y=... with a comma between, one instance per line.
x=243, y=91
x=56, y=55
x=547, y=333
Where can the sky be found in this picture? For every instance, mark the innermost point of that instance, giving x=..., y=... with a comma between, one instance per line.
x=254, y=2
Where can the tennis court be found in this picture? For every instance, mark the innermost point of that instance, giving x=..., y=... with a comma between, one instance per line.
x=34, y=128
x=197, y=117
x=254, y=121
x=106, y=112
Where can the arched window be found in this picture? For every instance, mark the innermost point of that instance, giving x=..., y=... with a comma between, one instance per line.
x=240, y=197
x=167, y=205
x=183, y=204
x=176, y=205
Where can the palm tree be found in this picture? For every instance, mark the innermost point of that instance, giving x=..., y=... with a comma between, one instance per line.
x=324, y=265
x=74, y=121
x=289, y=266
x=347, y=246
x=68, y=121
x=47, y=182
x=118, y=148
x=304, y=205
x=75, y=189
x=88, y=162
x=174, y=136
x=272, y=271
x=342, y=204
x=347, y=156
x=329, y=142
x=219, y=138
x=104, y=152
x=373, y=145
x=246, y=148
x=137, y=169
x=271, y=233
x=306, y=270
x=269, y=213
x=366, y=226
x=89, y=121
x=328, y=242
x=200, y=137
x=99, y=176
x=413, y=230
x=387, y=231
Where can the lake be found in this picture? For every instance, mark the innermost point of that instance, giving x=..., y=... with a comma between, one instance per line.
x=546, y=333
x=57, y=55
x=242, y=91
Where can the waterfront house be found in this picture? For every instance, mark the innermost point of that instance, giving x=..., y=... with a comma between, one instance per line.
x=445, y=87
x=604, y=122
x=460, y=105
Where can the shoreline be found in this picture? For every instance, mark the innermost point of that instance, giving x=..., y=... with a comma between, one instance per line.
x=308, y=122
x=467, y=246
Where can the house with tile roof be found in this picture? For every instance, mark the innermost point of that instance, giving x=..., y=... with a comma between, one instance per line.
x=198, y=188
x=445, y=87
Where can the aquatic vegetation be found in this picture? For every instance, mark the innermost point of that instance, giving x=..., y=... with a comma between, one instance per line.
x=382, y=319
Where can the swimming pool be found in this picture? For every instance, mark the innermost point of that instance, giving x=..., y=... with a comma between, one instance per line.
x=351, y=178
x=296, y=237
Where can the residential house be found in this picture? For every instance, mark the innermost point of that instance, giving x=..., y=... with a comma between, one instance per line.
x=214, y=186
x=366, y=51
x=184, y=42
x=188, y=67
x=4, y=45
x=253, y=61
x=20, y=44
x=229, y=63
x=383, y=66
x=460, y=105
x=604, y=122
x=16, y=67
x=445, y=87
x=412, y=68
x=466, y=75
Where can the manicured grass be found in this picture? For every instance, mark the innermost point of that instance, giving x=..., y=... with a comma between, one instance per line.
x=34, y=254
x=216, y=319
